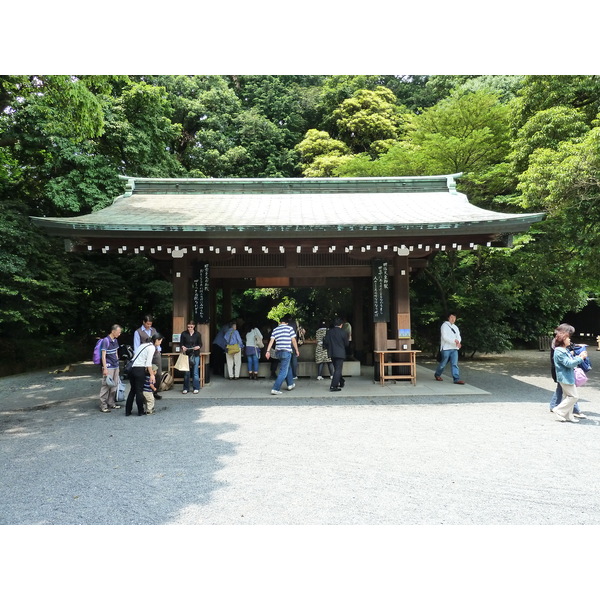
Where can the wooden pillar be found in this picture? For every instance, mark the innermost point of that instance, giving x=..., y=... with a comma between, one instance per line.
x=182, y=293
x=358, y=335
x=227, y=307
x=401, y=301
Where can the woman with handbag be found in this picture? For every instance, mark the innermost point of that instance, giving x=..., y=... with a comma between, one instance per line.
x=142, y=364
x=565, y=364
x=254, y=342
x=191, y=342
x=233, y=351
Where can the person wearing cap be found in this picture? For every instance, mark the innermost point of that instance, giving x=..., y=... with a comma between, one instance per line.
x=109, y=359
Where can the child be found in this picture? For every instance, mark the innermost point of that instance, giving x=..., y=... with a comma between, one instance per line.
x=149, y=391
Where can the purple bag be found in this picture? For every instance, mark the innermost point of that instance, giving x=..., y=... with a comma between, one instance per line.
x=580, y=377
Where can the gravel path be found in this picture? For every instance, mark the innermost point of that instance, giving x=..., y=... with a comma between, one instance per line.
x=491, y=454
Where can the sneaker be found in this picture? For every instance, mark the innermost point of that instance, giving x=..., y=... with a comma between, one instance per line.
x=291, y=387
x=276, y=392
x=562, y=419
x=150, y=412
x=580, y=415
x=573, y=420
x=296, y=377
x=117, y=406
x=319, y=378
x=459, y=382
x=196, y=391
x=104, y=410
x=438, y=378
x=184, y=392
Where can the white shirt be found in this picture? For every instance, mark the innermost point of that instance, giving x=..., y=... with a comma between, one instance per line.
x=145, y=355
x=449, y=333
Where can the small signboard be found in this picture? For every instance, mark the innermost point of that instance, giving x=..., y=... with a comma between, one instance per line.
x=403, y=333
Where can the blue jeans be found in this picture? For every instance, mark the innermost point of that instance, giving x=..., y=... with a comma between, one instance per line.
x=452, y=356
x=285, y=372
x=557, y=399
x=194, y=362
x=294, y=364
x=253, y=362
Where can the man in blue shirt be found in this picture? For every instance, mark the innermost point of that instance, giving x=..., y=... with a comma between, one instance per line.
x=285, y=338
x=109, y=359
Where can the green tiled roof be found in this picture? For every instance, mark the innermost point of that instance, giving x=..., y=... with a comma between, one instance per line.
x=292, y=207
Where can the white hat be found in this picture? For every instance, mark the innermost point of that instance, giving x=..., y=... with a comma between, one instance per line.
x=110, y=382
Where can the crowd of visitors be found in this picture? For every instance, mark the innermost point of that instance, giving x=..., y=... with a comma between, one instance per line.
x=332, y=347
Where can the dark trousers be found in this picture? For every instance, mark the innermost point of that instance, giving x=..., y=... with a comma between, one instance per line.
x=136, y=379
x=217, y=360
x=338, y=380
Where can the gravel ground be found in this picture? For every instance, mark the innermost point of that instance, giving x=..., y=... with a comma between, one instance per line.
x=487, y=455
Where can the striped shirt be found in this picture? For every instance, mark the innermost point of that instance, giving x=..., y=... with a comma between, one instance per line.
x=111, y=347
x=283, y=334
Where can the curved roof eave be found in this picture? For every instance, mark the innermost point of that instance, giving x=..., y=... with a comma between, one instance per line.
x=508, y=225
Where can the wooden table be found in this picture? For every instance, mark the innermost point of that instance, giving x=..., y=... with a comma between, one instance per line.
x=398, y=361
x=172, y=359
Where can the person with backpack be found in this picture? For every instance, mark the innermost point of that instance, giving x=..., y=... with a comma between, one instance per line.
x=109, y=359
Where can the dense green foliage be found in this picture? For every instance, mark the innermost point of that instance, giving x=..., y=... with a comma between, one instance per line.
x=524, y=143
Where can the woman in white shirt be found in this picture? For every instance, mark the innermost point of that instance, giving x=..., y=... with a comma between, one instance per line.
x=142, y=366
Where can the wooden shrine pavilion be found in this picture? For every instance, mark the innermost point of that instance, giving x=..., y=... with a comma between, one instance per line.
x=366, y=234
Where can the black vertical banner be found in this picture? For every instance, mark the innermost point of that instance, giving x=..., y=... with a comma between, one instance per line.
x=201, y=293
x=381, y=291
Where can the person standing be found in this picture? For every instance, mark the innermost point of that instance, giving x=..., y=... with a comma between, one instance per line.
x=558, y=394
x=285, y=338
x=219, y=347
x=254, y=342
x=109, y=358
x=565, y=364
x=191, y=343
x=234, y=361
x=450, y=344
x=336, y=343
x=142, y=364
x=149, y=389
x=142, y=336
x=348, y=329
x=321, y=356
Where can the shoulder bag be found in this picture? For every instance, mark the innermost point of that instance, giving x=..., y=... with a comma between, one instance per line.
x=232, y=348
x=129, y=364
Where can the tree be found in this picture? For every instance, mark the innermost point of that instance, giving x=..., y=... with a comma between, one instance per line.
x=321, y=155
x=367, y=117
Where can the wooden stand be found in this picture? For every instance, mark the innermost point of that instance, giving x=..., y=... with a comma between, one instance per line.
x=172, y=358
x=398, y=361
